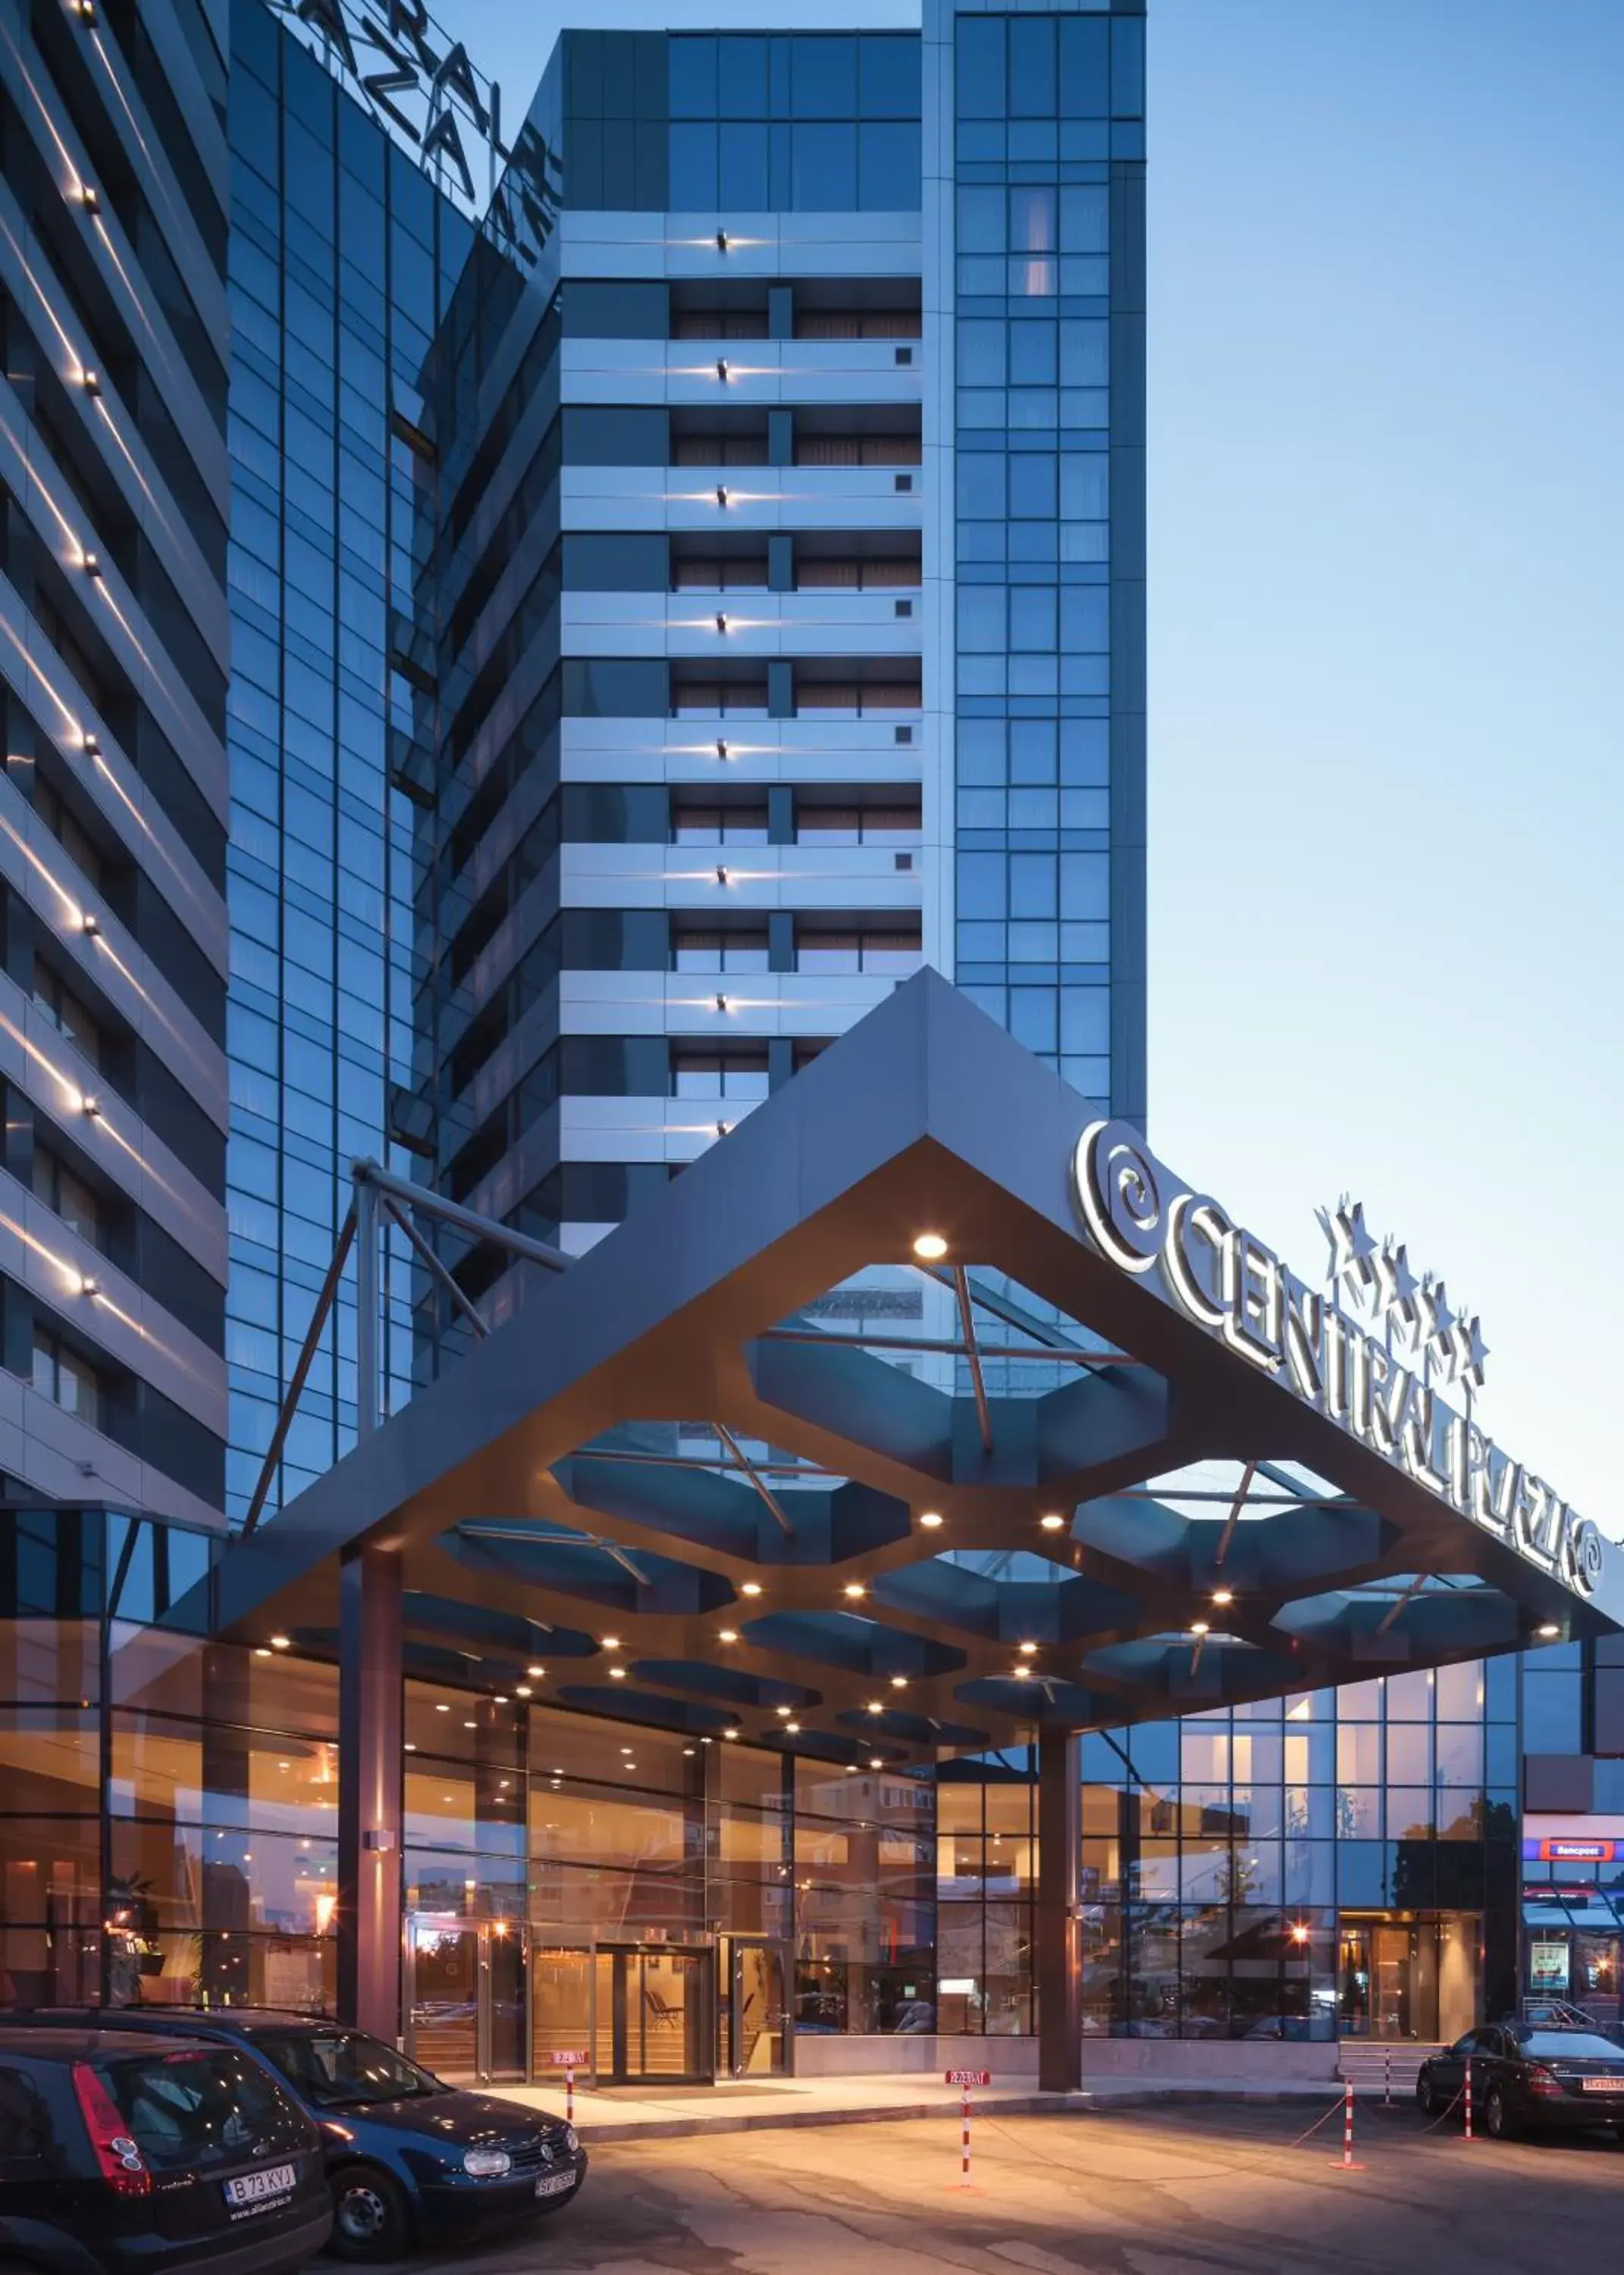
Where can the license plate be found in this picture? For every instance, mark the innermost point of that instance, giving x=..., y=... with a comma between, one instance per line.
x=1603, y=2084
x=554, y=2184
x=258, y=2188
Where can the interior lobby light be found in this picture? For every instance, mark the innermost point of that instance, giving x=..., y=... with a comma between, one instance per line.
x=726, y=1634
x=930, y=1518
x=875, y=1763
x=282, y=1643
x=930, y=1247
x=1199, y=1626
x=1028, y=1648
x=1051, y=1523
x=876, y=1706
x=899, y=1683
x=618, y=1675
x=750, y=1587
x=535, y=1672
x=1223, y=1595
x=855, y=1588
x=610, y=1643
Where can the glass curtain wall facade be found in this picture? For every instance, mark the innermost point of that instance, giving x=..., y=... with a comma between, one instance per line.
x=113, y=800
x=1045, y=301
x=343, y=256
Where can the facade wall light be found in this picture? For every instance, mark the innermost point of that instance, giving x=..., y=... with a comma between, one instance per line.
x=722, y=246
x=722, y=746
x=91, y=565
x=930, y=1247
x=722, y=621
x=89, y=199
x=91, y=381
x=721, y=494
x=721, y=369
x=91, y=746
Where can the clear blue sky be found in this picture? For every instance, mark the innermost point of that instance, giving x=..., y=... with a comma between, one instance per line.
x=1386, y=476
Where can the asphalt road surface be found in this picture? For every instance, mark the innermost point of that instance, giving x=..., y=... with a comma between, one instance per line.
x=1195, y=2191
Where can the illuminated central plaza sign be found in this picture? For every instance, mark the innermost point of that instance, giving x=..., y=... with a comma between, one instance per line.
x=1224, y=1278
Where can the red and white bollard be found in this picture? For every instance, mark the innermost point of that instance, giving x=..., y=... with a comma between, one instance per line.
x=1387, y=2079
x=1467, y=2093
x=570, y=2093
x=1346, y=2162
x=964, y=2079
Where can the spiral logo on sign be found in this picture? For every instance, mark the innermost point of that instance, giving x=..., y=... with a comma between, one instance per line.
x=1120, y=1194
x=1584, y=1550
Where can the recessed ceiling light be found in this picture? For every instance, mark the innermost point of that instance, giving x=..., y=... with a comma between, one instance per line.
x=687, y=1753
x=1548, y=1631
x=1022, y=1671
x=1051, y=1523
x=1199, y=1626
x=784, y=1709
x=618, y=1675
x=263, y=1651
x=854, y=1589
x=899, y=1683
x=471, y=1726
x=409, y=1747
x=1029, y=1647
x=442, y=1709
x=931, y=1518
x=876, y=1706
x=535, y=1672
x=1223, y=1595
x=930, y=1247
x=523, y=1692
x=876, y=1763
x=750, y=1588
x=282, y=1643
x=501, y=1700
x=625, y=1750
x=611, y=1642
x=726, y=1634
x=794, y=1728
x=729, y=1734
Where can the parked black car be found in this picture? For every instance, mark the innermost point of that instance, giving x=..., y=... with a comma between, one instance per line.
x=131, y=2153
x=1529, y=2078
x=409, y=2159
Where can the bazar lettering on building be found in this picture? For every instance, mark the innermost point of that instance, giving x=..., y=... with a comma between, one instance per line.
x=1221, y=1275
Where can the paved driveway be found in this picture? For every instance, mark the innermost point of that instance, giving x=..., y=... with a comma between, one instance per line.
x=1191, y=2191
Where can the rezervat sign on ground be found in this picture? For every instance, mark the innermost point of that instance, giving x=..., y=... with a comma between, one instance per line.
x=1235, y=1287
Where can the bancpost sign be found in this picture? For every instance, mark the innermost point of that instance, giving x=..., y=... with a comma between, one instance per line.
x=1230, y=1284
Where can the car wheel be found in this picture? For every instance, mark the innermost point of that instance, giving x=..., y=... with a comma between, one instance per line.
x=369, y=2216
x=1428, y=2096
x=1498, y=2121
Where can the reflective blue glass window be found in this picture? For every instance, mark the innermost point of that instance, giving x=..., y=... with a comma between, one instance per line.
x=978, y=66
x=823, y=76
x=888, y=166
x=691, y=91
x=823, y=168
x=741, y=77
x=743, y=178
x=694, y=185
x=888, y=75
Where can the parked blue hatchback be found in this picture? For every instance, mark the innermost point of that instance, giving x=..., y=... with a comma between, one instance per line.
x=409, y=2160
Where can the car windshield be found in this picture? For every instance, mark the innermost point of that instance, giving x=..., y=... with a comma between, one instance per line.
x=340, y=2069
x=1568, y=2045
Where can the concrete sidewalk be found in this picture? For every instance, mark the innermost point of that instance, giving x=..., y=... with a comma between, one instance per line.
x=749, y=2105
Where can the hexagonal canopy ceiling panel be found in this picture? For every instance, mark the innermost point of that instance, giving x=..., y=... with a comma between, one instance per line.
x=862, y=1435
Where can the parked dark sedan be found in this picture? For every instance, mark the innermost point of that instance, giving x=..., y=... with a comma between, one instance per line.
x=1528, y=2079
x=409, y=2159
x=129, y=2153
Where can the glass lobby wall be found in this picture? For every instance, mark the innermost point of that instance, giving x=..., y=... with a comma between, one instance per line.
x=1333, y=1862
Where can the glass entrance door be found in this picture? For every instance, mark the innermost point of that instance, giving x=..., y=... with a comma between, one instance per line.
x=651, y=2018
x=465, y=1998
x=753, y=2040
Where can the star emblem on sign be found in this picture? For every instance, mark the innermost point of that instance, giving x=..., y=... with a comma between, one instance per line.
x=1442, y=1340
x=1352, y=1243
x=1395, y=1284
x=1470, y=1351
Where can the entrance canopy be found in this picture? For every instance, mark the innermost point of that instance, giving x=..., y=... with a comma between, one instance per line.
x=922, y=1410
